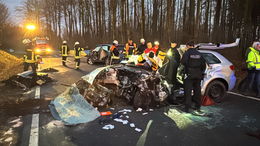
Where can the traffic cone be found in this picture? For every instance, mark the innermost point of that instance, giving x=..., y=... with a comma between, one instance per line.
x=207, y=101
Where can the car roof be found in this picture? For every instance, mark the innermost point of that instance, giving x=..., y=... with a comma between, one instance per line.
x=223, y=59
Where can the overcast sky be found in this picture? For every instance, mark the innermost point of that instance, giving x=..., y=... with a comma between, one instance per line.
x=12, y=4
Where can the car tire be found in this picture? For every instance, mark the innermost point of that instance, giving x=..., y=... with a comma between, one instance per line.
x=89, y=61
x=216, y=90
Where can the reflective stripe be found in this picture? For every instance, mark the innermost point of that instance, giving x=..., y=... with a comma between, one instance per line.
x=64, y=50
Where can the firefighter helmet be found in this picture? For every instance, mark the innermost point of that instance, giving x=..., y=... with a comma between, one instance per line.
x=115, y=42
x=64, y=42
x=156, y=43
x=76, y=43
x=142, y=40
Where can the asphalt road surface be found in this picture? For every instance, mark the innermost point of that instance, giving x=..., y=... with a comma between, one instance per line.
x=28, y=121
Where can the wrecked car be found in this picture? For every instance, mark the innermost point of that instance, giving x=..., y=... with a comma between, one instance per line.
x=101, y=54
x=126, y=83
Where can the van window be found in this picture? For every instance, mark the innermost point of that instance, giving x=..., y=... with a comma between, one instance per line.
x=210, y=58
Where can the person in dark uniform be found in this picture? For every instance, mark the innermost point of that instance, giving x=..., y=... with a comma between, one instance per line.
x=194, y=66
x=64, y=52
x=30, y=58
x=130, y=48
x=141, y=47
x=77, y=55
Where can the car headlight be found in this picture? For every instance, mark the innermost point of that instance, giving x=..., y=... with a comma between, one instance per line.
x=49, y=50
x=37, y=50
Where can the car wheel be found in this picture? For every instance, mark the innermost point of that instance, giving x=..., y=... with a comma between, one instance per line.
x=89, y=61
x=216, y=90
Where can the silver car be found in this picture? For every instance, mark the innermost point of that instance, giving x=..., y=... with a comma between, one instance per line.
x=219, y=75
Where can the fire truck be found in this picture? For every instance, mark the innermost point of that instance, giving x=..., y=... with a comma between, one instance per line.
x=41, y=45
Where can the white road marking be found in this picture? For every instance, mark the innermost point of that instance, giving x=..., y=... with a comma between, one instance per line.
x=142, y=138
x=37, y=92
x=34, y=134
x=249, y=97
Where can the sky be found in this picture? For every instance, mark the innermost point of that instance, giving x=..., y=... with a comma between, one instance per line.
x=12, y=4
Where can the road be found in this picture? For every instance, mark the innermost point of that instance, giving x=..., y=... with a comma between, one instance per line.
x=229, y=123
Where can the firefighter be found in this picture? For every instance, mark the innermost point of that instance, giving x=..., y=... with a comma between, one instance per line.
x=171, y=67
x=77, y=54
x=64, y=52
x=30, y=58
x=141, y=47
x=156, y=47
x=253, y=67
x=150, y=48
x=114, y=51
x=130, y=48
x=194, y=66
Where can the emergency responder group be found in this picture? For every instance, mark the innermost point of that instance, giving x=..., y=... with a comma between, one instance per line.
x=154, y=57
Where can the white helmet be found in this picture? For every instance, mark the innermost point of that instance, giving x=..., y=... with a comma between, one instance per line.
x=142, y=40
x=64, y=42
x=115, y=42
x=26, y=41
x=156, y=43
x=76, y=43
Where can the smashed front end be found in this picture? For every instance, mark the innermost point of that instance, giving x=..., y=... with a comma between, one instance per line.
x=122, y=84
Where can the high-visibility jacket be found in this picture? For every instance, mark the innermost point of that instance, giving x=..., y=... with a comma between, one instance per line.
x=114, y=50
x=253, y=59
x=30, y=56
x=175, y=54
x=162, y=53
x=77, y=50
x=144, y=58
x=130, y=49
x=64, y=50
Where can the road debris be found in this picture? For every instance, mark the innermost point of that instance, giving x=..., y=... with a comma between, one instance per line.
x=108, y=127
x=9, y=65
x=139, y=109
x=105, y=113
x=49, y=70
x=121, y=121
x=71, y=108
x=125, y=111
x=132, y=125
x=144, y=113
x=28, y=79
x=138, y=129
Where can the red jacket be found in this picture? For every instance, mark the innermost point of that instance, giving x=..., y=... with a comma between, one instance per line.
x=148, y=50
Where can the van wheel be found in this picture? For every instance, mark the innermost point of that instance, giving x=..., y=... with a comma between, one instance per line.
x=216, y=90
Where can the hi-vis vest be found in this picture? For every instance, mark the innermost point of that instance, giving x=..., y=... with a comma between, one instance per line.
x=253, y=59
x=130, y=49
x=30, y=56
x=77, y=51
x=143, y=58
x=64, y=50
